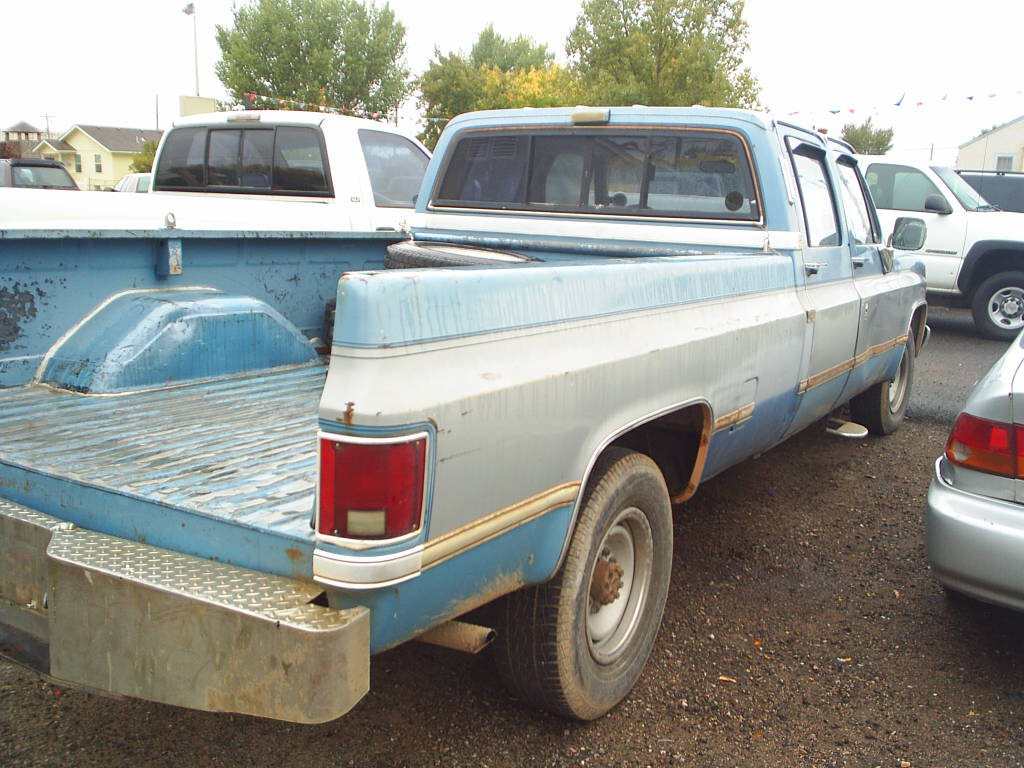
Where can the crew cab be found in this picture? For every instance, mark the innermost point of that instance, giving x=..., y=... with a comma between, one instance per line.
x=974, y=254
x=234, y=465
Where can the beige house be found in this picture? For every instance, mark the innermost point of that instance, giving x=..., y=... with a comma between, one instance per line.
x=1001, y=149
x=97, y=156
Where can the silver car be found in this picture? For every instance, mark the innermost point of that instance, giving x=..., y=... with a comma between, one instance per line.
x=975, y=516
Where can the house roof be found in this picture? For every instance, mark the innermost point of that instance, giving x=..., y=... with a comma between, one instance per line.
x=116, y=139
x=992, y=130
x=57, y=144
x=23, y=127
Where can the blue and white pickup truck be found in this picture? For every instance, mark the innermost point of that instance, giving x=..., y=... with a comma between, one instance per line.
x=233, y=466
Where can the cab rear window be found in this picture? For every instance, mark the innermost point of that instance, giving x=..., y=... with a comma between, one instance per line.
x=286, y=160
x=693, y=174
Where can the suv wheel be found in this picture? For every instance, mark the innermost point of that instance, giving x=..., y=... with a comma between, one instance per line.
x=998, y=306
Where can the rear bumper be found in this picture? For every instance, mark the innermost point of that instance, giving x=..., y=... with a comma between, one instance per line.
x=124, y=618
x=976, y=544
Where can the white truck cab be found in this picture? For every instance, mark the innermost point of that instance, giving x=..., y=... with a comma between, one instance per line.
x=364, y=170
x=974, y=253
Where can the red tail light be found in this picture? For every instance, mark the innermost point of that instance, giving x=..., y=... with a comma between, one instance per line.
x=371, y=488
x=987, y=446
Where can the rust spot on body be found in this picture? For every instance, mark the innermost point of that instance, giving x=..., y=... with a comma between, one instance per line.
x=295, y=555
x=350, y=409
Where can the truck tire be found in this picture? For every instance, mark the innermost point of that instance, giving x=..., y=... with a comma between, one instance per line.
x=998, y=306
x=413, y=255
x=577, y=644
x=882, y=407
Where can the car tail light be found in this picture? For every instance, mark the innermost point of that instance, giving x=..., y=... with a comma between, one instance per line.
x=987, y=446
x=371, y=488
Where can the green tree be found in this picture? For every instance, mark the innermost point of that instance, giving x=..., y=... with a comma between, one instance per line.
x=143, y=161
x=867, y=139
x=498, y=73
x=336, y=52
x=662, y=52
x=520, y=54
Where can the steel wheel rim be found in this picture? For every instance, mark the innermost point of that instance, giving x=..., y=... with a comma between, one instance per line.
x=612, y=626
x=1006, y=308
x=898, y=384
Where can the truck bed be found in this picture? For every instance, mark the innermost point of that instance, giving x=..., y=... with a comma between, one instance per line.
x=239, y=451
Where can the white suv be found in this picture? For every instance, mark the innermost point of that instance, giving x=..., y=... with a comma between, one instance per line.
x=974, y=254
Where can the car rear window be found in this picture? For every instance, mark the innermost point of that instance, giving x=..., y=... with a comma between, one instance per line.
x=43, y=176
x=689, y=173
x=286, y=160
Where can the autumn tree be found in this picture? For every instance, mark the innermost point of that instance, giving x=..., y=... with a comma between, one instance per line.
x=867, y=139
x=498, y=73
x=336, y=52
x=662, y=52
x=143, y=161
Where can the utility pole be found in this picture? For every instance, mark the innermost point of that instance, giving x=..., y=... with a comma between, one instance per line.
x=190, y=10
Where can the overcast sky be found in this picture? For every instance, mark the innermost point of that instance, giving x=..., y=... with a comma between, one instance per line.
x=125, y=62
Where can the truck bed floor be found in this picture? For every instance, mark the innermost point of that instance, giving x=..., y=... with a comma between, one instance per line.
x=242, y=449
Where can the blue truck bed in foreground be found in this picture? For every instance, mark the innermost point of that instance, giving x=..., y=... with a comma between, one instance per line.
x=235, y=465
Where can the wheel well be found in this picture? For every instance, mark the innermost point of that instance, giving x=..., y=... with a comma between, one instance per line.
x=917, y=327
x=990, y=263
x=677, y=442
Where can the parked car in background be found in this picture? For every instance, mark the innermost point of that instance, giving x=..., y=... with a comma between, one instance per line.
x=134, y=182
x=974, y=254
x=975, y=513
x=36, y=173
x=1004, y=189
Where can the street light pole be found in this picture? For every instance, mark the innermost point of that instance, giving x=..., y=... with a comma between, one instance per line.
x=190, y=10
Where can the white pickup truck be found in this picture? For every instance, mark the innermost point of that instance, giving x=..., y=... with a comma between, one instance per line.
x=263, y=170
x=974, y=253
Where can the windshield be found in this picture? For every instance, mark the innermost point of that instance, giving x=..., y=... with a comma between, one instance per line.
x=964, y=192
x=41, y=176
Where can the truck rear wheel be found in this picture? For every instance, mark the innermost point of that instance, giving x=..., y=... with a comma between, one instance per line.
x=577, y=644
x=882, y=407
x=998, y=306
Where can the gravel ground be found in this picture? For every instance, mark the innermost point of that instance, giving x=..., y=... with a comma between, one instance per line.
x=803, y=628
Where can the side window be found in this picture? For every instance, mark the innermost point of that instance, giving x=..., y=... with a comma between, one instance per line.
x=899, y=187
x=299, y=161
x=858, y=213
x=396, y=167
x=182, y=160
x=816, y=195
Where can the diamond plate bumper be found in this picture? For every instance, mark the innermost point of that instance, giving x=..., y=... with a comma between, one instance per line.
x=129, y=619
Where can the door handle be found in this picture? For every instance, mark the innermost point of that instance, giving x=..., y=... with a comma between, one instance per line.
x=860, y=261
x=814, y=267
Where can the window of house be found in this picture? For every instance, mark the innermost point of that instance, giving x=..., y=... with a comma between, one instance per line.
x=78, y=163
x=1004, y=162
x=97, y=161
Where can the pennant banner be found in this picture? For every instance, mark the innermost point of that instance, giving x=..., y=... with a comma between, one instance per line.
x=902, y=103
